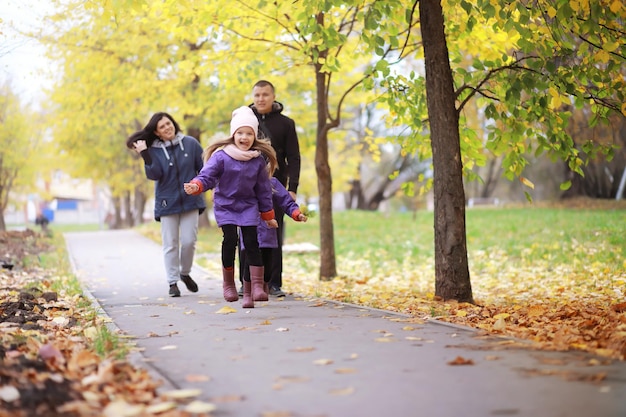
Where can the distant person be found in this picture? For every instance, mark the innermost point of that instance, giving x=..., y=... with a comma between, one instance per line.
x=267, y=237
x=171, y=158
x=281, y=130
x=236, y=168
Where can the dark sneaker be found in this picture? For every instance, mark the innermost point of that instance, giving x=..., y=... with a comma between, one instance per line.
x=174, y=291
x=240, y=291
x=189, y=283
x=277, y=292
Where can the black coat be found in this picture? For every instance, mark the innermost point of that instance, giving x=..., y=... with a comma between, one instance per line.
x=281, y=131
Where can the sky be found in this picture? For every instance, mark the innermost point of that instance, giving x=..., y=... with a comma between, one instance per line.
x=22, y=60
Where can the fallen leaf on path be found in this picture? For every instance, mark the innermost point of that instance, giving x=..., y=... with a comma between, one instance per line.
x=182, y=393
x=342, y=391
x=282, y=329
x=459, y=360
x=277, y=414
x=200, y=407
x=226, y=310
x=384, y=339
x=169, y=347
x=197, y=378
x=161, y=408
x=228, y=399
x=265, y=323
x=302, y=349
x=345, y=371
x=322, y=361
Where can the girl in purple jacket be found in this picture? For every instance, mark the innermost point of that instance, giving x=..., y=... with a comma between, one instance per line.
x=236, y=168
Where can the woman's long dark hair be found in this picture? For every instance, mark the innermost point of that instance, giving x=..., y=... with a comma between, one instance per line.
x=147, y=133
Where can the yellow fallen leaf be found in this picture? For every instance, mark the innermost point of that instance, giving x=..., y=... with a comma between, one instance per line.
x=228, y=398
x=302, y=349
x=277, y=414
x=265, y=323
x=342, y=391
x=499, y=325
x=182, y=393
x=200, y=407
x=169, y=347
x=122, y=408
x=226, y=310
x=91, y=332
x=322, y=361
x=536, y=311
x=502, y=316
x=197, y=378
x=461, y=313
x=345, y=371
x=384, y=339
x=161, y=408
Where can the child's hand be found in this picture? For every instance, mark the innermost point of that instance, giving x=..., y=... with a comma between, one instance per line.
x=302, y=218
x=191, y=188
x=272, y=224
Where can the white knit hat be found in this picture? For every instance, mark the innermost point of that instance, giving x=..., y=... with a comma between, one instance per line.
x=244, y=116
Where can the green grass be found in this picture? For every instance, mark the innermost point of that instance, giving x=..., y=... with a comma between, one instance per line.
x=521, y=236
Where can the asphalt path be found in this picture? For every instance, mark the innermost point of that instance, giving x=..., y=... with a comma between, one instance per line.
x=304, y=357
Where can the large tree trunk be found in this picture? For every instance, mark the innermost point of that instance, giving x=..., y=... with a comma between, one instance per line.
x=452, y=280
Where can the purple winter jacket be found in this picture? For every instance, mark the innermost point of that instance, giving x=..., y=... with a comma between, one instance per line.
x=266, y=236
x=242, y=189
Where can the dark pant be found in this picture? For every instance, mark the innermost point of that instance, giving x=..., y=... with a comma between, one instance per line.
x=277, y=253
x=229, y=245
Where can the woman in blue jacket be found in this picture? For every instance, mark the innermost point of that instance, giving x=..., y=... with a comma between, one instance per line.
x=171, y=159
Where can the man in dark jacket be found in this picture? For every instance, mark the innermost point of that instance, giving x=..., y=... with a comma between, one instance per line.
x=281, y=130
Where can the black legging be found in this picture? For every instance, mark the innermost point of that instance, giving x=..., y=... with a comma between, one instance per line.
x=229, y=245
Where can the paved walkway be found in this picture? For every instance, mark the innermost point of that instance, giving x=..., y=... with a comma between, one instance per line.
x=307, y=358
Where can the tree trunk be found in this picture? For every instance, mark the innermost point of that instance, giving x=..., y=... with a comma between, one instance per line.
x=452, y=280
x=328, y=266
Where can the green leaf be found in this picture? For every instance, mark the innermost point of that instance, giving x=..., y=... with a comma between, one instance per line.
x=565, y=185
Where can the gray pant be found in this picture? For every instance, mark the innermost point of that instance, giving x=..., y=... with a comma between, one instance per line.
x=179, y=233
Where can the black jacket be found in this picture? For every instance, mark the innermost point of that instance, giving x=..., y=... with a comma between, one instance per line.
x=281, y=131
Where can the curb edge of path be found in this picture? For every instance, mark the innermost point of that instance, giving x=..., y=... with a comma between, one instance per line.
x=134, y=357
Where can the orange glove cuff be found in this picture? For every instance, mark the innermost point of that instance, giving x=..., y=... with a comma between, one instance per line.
x=268, y=215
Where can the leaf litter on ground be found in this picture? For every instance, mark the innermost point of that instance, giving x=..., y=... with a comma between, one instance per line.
x=48, y=360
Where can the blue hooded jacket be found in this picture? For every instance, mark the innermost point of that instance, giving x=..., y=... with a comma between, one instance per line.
x=173, y=164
